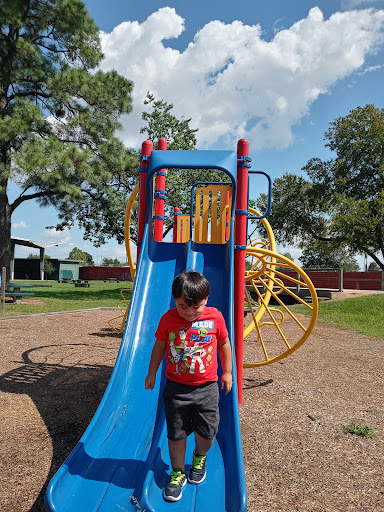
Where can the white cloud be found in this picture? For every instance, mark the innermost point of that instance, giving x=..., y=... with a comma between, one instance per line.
x=25, y=250
x=232, y=82
x=19, y=225
x=277, y=25
x=369, y=69
x=62, y=236
x=120, y=252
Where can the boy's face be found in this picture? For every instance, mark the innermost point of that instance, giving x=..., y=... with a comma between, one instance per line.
x=190, y=313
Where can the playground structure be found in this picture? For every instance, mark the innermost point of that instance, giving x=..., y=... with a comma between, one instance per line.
x=122, y=460
x=270, y=275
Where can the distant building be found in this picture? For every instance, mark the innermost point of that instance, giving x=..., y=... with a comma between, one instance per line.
x=26, y=268
x=34, y=245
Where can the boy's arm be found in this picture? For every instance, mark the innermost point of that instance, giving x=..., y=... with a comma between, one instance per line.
x=158, y=353
x=225, y=353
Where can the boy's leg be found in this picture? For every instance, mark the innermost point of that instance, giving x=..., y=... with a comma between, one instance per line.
x=205, y=425
x=198, y=469
x=202, y=445
x=179, y=425
x=177, y=453
x=177, y=478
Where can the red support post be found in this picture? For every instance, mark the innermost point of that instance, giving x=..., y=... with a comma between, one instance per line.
x=241, y=214
x=227, y=216
x=146, y=150
x=160, y=197
x=176, y=212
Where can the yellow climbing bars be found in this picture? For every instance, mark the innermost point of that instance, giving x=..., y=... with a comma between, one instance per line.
x=127, y=234
x=212, y=213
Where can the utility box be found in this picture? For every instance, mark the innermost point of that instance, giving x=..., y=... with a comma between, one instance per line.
x=65, y=269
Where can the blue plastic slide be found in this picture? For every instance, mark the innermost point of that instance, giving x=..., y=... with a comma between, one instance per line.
x=122, y=462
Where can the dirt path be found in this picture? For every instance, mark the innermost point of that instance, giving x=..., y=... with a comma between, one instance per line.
x=54, y=370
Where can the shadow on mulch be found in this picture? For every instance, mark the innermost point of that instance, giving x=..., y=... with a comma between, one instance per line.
x=106, y=333
x=255, y=383
x=56, y=389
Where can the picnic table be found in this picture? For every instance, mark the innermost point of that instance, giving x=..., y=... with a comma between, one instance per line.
x=81, y=283
x=17, y=291
x=111, y=280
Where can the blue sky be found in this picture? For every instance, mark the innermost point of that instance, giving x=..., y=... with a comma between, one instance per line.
x=275, y=72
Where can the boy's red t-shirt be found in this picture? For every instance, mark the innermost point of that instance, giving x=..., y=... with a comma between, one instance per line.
x=192, y=346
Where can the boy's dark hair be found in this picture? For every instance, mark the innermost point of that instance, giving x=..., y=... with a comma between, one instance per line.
x=192, y=286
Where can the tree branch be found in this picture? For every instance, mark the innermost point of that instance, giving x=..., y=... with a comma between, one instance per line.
x=17, y=202
x=54, y=50
x=43, y=36
x=329, y=239
x=24, y=94
x=374, y=257
x=92, y=195
x=167, y=230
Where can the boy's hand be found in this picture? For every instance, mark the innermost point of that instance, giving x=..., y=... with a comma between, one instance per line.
x=226, y=380
x=150, y=381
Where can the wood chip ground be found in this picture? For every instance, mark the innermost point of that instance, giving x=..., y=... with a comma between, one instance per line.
x=54, y=370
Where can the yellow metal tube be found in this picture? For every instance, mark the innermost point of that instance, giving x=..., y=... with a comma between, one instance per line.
x=127, y=235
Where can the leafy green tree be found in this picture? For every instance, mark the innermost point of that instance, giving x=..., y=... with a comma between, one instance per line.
x=373, y=267
x=342, y=203
x=49, y=268
x=288, y=255
x=32, y=256
x=84, y=257
x=101, y=215
x=104, y=218
x=48, y=265
x=248, y=265
x=324, y=255
x=58, y=116
x=110, y=262
x=161, y=122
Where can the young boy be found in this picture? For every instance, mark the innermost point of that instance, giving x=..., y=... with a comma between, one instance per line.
x=189, y=335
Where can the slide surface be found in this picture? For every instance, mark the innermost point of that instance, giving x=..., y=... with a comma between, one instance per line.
x=122, y=462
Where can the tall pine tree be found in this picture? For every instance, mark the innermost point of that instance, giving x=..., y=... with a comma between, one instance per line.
x=58, y=116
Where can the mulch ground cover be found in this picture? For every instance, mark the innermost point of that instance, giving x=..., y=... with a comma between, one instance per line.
x=54, y=370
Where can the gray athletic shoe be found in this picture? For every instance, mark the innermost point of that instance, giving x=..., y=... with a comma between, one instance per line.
x=198, y=470
x=173, y=490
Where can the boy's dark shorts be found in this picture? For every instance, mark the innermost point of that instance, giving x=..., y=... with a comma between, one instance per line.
x=191, y=409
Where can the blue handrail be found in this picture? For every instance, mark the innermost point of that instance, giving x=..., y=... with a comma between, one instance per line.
x=259, y=217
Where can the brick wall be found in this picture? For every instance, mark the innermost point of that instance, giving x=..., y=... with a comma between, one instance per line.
x=101, y=273
x=351, y=280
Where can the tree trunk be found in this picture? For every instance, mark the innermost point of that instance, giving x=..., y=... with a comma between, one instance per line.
x=5, y=234
x=5, y=213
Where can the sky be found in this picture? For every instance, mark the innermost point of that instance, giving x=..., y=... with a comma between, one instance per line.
x=276, y=73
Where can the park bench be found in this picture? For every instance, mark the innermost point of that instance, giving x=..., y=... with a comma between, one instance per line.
x=111, y=280
x=66, y=276
x=18, y=291
x=80, y=283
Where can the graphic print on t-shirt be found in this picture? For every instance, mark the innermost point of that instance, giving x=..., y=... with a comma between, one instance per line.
x=178, y=351
x=187, y=353
x=192, y=347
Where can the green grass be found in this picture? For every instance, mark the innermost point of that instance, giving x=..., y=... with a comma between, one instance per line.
x=361, y=314
x=66, y=297
x=358, y=429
